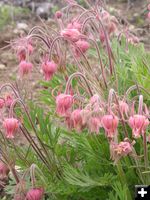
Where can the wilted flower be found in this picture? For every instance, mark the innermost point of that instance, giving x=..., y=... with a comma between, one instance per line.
x=110, y=123
x=11, y=125
x=76, y=118
x=119, y=150
x=74, y=25
x=63, y=104
x=94, y=123
x=35, y=194
x=138, y=123
x=25, y=68
x=124, y=108
x=2, y=103
x=71, y=34
x=49, y=68
x=82, y=45
x=8, y=100
x=4, y=170
x=22, y=47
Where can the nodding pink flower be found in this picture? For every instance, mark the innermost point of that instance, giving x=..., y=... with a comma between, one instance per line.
x=94, y=124
x=25, y=68
x=4, y=170
x=76, y=118
x=74, y=25
x=124, y=108
x=2, y=103
x=10, y=125
x=63, y=104
x=71, y=34
x=35, y=194
x=22, y=47
x=8, y=100
x=83, y=46
x=148, y=15
x=49, y=68
x=110, y=123
x=138, y=123
x=58, y=14
x=95, y=99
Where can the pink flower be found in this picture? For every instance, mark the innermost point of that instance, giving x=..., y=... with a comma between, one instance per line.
x=58, y=14
x=49, y=68
x=71, y=34
x=76, y=118
x=74, y=25
x=148, y=15
x=10, y=125
x=4, y=171
x=83, y=46
x=63, y=104
x=35, y=194
x=138, y=123
x=25, y=68
x=2, y=103
x=119, y=150
x=95, y=99
x=94, y=124
x=23, y=47
x=110, y=123
x=8, y=100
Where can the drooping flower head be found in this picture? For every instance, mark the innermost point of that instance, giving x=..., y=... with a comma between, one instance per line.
x=82, y=45
x=22, y=47
x=71, y=34
x=49, y=68
x=74, y=25
x=10, y=125
x=25, y=68
x=63, y=104
x=76, y=118
x=139, y=124
x=8, y=100
x=35, y=194
x=4, y=170
x=110, y=123
x=94, y=124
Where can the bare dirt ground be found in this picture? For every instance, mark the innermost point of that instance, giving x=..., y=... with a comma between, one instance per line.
x=135, y=16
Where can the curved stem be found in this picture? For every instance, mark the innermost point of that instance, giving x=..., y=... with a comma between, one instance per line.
x=12, y=87
x=112, y=92
x=133, y=88
x=100, y=60
x=41, y=38
x=75, y=75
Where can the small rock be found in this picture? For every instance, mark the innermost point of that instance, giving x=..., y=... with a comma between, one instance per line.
x=22, y=26
x=2, y=66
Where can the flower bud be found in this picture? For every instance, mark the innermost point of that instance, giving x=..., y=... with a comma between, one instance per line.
x=10, y=125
